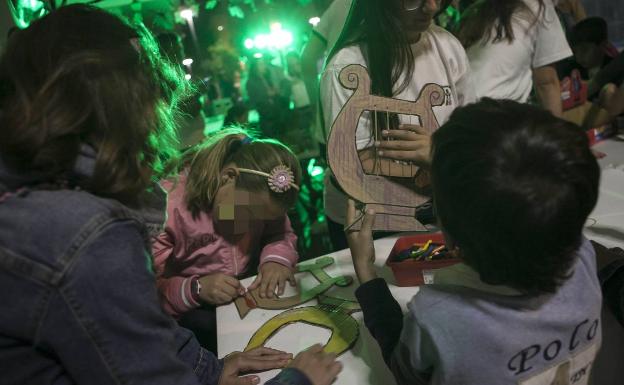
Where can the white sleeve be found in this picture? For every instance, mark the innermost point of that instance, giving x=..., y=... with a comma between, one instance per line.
x=464, y=84
x=324, y=27
x=333, y=21
x=550, y=43
x=333, y=96
x=458, y=67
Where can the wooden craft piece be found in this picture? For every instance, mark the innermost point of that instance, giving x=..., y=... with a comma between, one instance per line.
x=331, y=313
x=383, y=184
x=252, y=298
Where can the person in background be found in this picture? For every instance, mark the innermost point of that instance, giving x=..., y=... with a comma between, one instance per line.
x=524, y=305
x=322, y=39
x=570, y=12
x=513, y=46
x=599, y=60
x=403, y=51
x=192, y=123
x=602, y=66
x=263, y=90
x=86, y=118
x=226, y=214
x=238, y=115
x=298, y=136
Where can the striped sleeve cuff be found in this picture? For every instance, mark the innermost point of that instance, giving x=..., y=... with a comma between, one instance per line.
x=277, y=259
x=186, y=295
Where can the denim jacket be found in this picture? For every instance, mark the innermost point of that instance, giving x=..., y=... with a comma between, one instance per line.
x=78, y=299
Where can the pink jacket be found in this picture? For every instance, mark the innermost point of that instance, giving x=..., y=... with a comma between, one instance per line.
x=191, y=248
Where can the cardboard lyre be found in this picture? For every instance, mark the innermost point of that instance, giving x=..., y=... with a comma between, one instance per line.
x=384, y=185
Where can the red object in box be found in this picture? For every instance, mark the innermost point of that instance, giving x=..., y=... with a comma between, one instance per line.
x=410, y=272
x=573, y=91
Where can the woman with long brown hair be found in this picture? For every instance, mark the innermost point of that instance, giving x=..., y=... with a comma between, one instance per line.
x=513, y=46
x=86, y=120
x=403, y=51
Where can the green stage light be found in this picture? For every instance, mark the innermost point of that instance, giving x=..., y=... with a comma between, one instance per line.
x=316, y=171
x=186, y=14
x=261, y=41
x=314, y=21
x=313, y=169
x=187, y=62
x=236, y=11
x=258, y=55
x=277, y=39
x=25, y=12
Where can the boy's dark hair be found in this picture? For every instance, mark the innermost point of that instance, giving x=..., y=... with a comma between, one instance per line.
x=591, y=30
x=513, y=187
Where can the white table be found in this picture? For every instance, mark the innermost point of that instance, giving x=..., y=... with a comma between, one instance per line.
x=608, y=228
x=363, y=364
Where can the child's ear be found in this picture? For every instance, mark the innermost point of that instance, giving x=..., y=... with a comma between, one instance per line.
x=228, y=174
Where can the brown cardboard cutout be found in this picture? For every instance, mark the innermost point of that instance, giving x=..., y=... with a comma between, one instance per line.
x=387, y=186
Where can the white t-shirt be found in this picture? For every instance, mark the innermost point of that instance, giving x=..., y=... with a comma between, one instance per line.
x=298, y=94
x=438, y=58
x=503, y=70
x=333, y=21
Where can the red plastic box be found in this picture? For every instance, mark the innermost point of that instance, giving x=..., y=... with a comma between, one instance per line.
x=410, y=272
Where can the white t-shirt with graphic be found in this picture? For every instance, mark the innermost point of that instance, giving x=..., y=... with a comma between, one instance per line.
x=503, y=70
x=439, y=58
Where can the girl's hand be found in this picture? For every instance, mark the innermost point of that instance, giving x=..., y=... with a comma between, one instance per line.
x=410, y=143
x=258, y=359
x=219, y=288
x=361, y=244
x=273, y=274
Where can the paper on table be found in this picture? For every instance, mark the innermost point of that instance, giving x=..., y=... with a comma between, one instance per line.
x=608, y=215
x=362, y=364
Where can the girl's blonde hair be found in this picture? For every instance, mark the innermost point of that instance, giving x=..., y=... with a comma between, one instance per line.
x=235, y=145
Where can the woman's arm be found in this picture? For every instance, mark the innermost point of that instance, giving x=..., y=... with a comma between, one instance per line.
x=548, y=89
x=109, y=305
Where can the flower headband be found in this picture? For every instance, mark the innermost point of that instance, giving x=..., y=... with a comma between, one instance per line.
x=280, y=179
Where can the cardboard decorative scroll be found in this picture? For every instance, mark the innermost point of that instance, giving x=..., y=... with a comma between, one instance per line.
x=385, y=185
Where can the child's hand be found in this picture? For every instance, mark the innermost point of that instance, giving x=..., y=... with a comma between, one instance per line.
x=320, y=368
x=258, y=359
x=361, y=244
x=219, y=288
x=273, y=274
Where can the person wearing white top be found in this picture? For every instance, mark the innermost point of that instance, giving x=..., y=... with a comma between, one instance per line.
x=403, y=51
x=513, y=46
x=323, y=38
